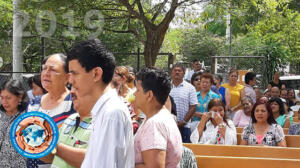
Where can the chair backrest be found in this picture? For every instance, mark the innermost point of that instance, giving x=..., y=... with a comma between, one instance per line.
x=244, y=151
x=292, y=141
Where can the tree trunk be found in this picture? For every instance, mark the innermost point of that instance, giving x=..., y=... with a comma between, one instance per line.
x=155, y=37
x=151, y=48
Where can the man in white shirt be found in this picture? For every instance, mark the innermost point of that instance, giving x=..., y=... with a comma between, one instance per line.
x=196, y=67
x=111, y=142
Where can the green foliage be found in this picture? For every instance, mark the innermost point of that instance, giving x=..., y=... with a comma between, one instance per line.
x=200, y=44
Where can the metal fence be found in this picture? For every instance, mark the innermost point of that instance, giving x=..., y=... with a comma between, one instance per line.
x=222, y=65
x=7, y=76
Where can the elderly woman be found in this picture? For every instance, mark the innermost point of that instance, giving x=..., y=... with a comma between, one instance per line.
x=235, y=90
x=14, y=102
x=57, y=103
x=242, y=117
x=263, y=130
x=214, y=128
x=278, y=111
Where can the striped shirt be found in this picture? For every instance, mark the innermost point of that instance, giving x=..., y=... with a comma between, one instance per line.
x=58, y=114
x=184, y=95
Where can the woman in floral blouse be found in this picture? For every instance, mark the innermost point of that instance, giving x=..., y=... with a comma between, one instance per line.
x=263, y=130
x=14, y=102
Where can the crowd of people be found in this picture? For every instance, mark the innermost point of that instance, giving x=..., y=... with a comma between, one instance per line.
x=110, y=116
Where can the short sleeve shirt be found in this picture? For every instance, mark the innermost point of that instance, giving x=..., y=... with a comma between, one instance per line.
x=240, y=119
x=235, y=93
x=203, y=103
x=75, y=134
x=273, y=136
x=184, y=95
x=159, y=132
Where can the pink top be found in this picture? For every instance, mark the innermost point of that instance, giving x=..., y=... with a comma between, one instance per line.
x=259, y=138
x=159, y=132
x=240, y=119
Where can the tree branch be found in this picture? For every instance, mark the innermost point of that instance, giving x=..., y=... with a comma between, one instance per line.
x=141, y=10
x=131, y=31
x=135, y=13
x=159, y=10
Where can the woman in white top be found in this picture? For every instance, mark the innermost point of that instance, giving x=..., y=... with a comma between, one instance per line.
x=214, y=128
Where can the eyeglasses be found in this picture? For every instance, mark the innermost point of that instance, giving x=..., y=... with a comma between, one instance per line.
x=117, y=74
x=197, y=79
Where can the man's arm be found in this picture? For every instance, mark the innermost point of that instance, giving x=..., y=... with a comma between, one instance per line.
x=188, y=116
x=71, y=155
x=191, y=112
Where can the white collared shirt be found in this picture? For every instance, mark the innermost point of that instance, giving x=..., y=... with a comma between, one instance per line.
x=189, y=75
x=111, y=144
x=209, y=136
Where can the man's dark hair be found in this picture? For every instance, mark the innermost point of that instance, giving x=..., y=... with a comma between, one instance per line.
x=158, y=81
x=180, y=66
x=93, y=53
x=195, y=60
x=249, y=76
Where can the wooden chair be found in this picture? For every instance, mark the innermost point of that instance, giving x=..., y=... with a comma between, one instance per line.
x=239, y=129
x=244, y=151
x=245, y=162
x=292, y=141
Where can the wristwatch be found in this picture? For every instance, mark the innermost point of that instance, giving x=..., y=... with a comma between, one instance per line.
x=221, y=125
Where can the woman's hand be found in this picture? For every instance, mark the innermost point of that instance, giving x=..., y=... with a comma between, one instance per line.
x=206, y=116
x=218, y=118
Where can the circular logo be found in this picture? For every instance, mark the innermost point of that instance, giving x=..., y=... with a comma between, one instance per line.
x=34, y=135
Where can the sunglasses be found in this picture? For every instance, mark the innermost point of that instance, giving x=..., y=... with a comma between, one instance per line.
x=197, y=79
